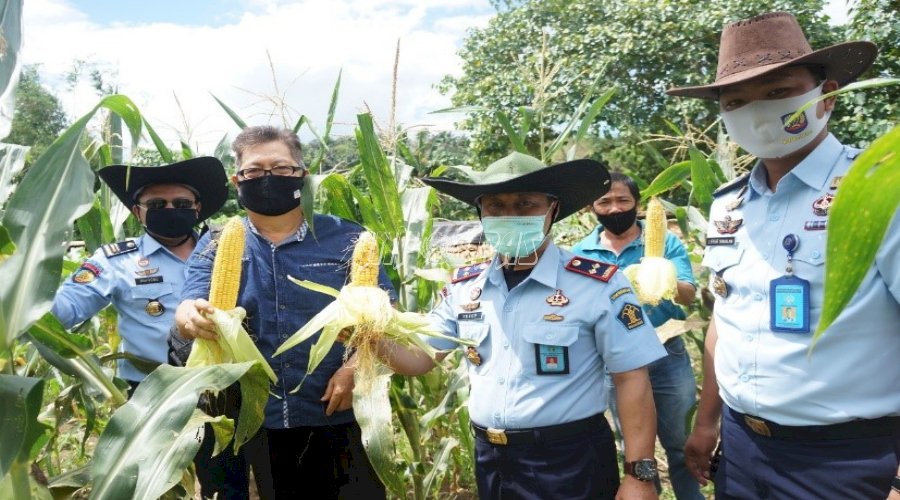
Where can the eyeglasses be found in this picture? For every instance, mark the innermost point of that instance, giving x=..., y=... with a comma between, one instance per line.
x=280, y=170
x=159, y=203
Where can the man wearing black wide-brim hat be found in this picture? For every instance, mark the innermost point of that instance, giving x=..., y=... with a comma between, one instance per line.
x=541, y=328
x=798, y=419
x=142, y=278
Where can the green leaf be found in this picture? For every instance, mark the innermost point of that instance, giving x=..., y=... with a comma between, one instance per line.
x=669, y=178
x=158, y=143
x=381, y=182
x=860, y=214
x=373, y=413
x=236, y=118
x=10, y=65
x=12, y=161
x=7, y=247
x=95, y=227
x=517, y=142
x=316, y=287
x=852, y=87
x=332, y=106
x=339, y=197
x=703, y=180
x=152, y=438
x=20, y=405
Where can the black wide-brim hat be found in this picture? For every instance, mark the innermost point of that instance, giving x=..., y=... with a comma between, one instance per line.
x=576, y=184
x=203, y=174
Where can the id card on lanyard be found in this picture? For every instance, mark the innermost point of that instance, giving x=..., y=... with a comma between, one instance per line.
x=789, y=296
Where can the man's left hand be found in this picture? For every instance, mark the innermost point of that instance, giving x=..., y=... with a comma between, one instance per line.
x=634, y=489
x=339, y=392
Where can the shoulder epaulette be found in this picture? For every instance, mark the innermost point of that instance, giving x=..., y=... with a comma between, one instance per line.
x=737, y=182
x=119, y=248
x=591, y=268
x=468, y=272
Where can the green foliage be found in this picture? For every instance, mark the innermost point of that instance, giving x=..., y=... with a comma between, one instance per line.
x=39, y=116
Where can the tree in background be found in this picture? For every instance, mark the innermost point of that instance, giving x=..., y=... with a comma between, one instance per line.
x=39, y=117
x=641, y=46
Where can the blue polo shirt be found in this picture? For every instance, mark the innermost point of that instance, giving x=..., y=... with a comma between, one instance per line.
x=674, y=251
x=543, y=348
x=277, y=308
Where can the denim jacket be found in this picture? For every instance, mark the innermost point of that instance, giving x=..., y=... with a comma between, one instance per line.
x=276, y=308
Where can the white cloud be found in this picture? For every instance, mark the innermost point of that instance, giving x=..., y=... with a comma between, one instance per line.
x=308, y=41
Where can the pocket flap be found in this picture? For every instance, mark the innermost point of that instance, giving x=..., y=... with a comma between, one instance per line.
x=151, y=291
x=719, y=258
x=562, y=335
x=475, y=331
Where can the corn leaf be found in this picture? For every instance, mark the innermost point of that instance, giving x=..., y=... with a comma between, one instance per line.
x=20, y=405
x=669, y=178
x=7, y=247
x=136, y=456
x=12, y=161
x=703, y=180
x=311, y=285
x=868, y=193
x=331, y=312
x=373, y=413
x=512, y=134
x=10, y=65
x=236, y=118
x=852, y=87
x=382, y=184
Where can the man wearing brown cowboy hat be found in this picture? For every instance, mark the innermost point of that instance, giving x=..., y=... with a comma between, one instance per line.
x=796, y=422
x=142, y=278
x=543, y=326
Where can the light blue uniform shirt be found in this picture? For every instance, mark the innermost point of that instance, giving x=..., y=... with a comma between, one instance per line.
x=854, y=369
x=517, y=334
x=674, y=251
x=130, y=284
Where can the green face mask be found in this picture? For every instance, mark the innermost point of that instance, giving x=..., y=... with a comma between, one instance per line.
x=515, y=236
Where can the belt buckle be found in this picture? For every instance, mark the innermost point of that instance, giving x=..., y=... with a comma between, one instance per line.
x=758, y=426
x=496, y=436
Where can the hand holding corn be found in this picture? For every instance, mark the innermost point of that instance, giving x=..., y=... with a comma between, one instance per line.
x=655, y=278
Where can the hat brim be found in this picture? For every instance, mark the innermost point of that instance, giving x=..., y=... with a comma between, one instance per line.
x=843, y=62
x=576, y=184
x=204, y=174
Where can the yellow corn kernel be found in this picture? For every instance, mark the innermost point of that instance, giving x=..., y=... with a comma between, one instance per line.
x=655, y=229
x=364, y=263
x=226, y=275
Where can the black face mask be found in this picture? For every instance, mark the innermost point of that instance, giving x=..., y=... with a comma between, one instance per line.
x=618, y=223
x=270, y=194
x=171, y=222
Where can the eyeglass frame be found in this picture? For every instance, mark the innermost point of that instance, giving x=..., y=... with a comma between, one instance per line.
x=270, y=171
x=195, y=204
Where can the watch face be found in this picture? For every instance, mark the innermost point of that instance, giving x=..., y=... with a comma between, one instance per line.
x=645, y=470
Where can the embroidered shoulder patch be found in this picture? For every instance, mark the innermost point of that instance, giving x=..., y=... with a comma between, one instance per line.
x=631, y=315
x=87, y=273
x=120, y=248
x=592, y=268
x=468, y=272
x=732, y=185
x=620, y=292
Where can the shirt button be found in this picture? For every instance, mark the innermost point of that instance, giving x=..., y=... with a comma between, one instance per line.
x=497, y=415
x=757, y=296
x=501, y=380
x=548, y=336
x=774, y=217
x=745, y=378
x=282, y=307
x=749, y=338
x=765, y=256
x=816, y=254
x=284, y=335
x=506, y=345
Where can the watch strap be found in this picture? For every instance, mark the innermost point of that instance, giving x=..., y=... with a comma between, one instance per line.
x=895, y=484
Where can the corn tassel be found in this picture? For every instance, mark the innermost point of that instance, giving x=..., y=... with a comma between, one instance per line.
x=655, y=278
x=226, y=275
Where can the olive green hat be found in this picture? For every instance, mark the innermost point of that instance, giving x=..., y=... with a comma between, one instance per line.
x=575, y=184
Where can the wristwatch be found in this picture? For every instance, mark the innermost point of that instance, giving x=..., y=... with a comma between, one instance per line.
x=895, y=484
x=643, y=469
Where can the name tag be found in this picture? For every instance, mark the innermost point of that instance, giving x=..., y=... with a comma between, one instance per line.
x=551, y=359
x=718, y=241
x=470, y=316
x=148, y=280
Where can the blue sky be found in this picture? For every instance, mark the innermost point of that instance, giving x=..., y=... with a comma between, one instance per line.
x=205, y=13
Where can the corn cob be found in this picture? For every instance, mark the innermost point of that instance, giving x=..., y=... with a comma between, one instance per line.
x=655, y=278
x=364, y=262
x=226, y=275
x=655, y=229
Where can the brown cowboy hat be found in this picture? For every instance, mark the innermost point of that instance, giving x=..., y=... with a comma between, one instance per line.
x=205, y=175
x=575, y=184
x=761, y=44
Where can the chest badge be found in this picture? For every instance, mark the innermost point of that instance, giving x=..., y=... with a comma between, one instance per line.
x=821, y=205
x=728, y=225
x=718, y=285
x=737, y=202
x=473, y=356
x=553, y=317
x=475, y=293
x=143, y=261
x=147, y=272
x=557, y=299
x=155, y=308
x=471, y=306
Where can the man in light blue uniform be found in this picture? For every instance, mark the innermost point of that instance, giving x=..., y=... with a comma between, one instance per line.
x=543, y=327
x=619, y=240
x=142, y=278
x=799, y=420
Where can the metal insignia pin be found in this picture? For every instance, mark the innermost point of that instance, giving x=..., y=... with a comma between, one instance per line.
x=821, y=205
x=155, y=308
x=728, y=225
x=147, y=272
x=475, y=293
x=143, y=262
x=471, y=306
x=473, y=356
x=557, y=299
x=719, y=287
x=553, y=317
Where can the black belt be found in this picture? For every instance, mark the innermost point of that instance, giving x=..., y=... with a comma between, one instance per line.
x=540, y=434
x=854, y=429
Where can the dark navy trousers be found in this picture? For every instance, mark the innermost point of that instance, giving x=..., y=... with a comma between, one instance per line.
x=582, y=466
x=758, y=467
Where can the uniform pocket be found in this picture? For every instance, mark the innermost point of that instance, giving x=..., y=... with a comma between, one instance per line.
x=549, y=348
x=721, y=258
x=150, y=291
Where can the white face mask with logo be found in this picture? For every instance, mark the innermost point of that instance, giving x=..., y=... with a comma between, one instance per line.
x=759, y=127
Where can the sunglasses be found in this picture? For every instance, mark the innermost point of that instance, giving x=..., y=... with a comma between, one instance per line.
x=159, y=203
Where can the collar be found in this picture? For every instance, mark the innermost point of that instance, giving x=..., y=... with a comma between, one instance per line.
x=298, y=236
x=813, y=171
x=545, y=272
x=592, y=241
